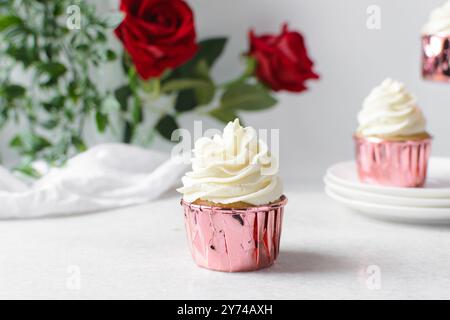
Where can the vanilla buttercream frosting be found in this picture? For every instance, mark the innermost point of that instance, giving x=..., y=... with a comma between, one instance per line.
x=390, y=111
x=233, y=167
x=439, y=21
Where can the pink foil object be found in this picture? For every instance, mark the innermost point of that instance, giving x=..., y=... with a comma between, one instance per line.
x=233, y=240
x=392, y=163
x=436, y=58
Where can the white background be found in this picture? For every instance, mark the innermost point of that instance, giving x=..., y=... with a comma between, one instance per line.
x=317, y=126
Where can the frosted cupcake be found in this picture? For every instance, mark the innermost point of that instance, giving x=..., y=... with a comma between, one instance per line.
x=233, y=202
x=436, y=45
x=392, y=145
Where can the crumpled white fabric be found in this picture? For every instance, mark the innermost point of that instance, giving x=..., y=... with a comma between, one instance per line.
x=104, y=177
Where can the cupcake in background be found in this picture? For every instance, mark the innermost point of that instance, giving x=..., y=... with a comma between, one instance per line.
x=233, y=201
x=436, y=45
x=392, y=144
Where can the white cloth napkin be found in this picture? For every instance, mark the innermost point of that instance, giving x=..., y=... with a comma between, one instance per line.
x=104, y=177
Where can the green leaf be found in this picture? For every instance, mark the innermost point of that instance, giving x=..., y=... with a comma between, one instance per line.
x=56, y=103
x=186, y=101
x=204, y=89
x=202, y=70
x=50, y=124
x=16, y=142
x=28, y=170
x=12, y=91
x=136, y=113
x=223, y=115
x=122, y=94
x=53, y=69
x=209, y=50
x=111, y=55
x=101, y=36
x=14, y=30
x=9, y=21
x=247, y=97
x=250, y=66
x=79, y=143
x=74, y=90
x=166, y=125
x=192, y=80
x=128, y=132
x=102, y=121
x=182, y=84
x=23, y=54
x=205, y=93
x=36, y=142
x=29, y=142
x=126, y=62
x=58, y=9
x=69, y=114
x=82, y=47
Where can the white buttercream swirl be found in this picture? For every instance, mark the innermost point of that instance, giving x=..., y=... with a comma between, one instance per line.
x=390, y=111
x=439, y=22
x=234, y=167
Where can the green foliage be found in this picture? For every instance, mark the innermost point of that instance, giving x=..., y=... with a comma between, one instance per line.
x=209, y=51
x=166, y=125
x=9, y=21
x=249, y=97
x=194, y=87
x=224, y=115
x=192, y=80
x=12, y=91
x=101, y=120
x=61, y=95
x=240, y=95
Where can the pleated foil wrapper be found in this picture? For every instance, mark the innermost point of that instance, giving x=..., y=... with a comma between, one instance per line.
x=436, y=58
x=392, y=163
x=234, y=240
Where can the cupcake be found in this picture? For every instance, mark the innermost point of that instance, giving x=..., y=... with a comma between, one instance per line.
x=392, y=145
x=233, y=202
x=436, y=45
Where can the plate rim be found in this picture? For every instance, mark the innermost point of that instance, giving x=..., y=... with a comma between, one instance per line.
x=413, y=192
x=333, y=185
x=402, y=212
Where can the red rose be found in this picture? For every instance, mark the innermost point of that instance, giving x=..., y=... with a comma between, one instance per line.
x=158, y=34
x=282, y=60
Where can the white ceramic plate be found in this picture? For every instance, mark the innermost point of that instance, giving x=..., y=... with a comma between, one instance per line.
x=384, y=199
x=395, y=213
x=437, y=185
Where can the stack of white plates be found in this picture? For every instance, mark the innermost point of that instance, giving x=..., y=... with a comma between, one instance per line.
x=430, y=204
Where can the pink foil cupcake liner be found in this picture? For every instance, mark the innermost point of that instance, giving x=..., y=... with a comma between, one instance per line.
x=392, y=163
x=436, y=58
x=233, y=240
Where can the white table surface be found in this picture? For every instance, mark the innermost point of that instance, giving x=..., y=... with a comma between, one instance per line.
x=141, y=253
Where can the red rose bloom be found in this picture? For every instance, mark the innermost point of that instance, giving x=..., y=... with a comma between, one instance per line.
x=158, y=34
x=282, y=60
